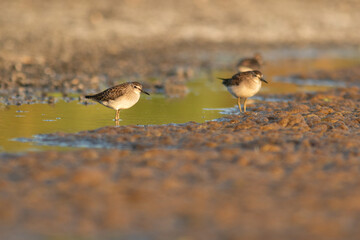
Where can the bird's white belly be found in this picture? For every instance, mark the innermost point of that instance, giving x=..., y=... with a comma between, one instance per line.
x=244, y=91
x=122, y=102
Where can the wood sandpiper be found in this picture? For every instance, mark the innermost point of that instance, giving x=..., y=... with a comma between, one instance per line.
x=122, y=96
x=244, y=85
x=250, y=64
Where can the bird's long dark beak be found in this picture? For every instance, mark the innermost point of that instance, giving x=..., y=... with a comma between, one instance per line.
x=263, y=80
x=145, y=92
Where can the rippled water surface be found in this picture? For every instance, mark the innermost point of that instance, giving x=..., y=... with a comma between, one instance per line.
x=207, y=99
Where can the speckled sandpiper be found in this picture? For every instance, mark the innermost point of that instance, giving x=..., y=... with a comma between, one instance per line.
x=250, y=64
x=122, y=96
x=244, y=85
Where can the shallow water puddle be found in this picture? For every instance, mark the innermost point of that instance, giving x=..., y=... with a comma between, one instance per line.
x=28, y=120
x=206, y=100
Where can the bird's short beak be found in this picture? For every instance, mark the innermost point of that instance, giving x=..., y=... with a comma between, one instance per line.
x=263, y=80
x=145, y=92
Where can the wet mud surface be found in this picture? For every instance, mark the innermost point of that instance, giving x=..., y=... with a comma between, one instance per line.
x=282, y=170
x=346, y=76
x=319, y=112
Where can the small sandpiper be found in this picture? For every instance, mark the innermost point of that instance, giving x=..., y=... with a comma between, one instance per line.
x=122, y=96
x=250, y=64
x=244, y=85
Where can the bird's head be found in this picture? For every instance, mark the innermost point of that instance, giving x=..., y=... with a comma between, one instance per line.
x=258, y=57
x=259, y=75
x=138, y=88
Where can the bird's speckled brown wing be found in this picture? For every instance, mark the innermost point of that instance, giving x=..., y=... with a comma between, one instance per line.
x=238, y=78
x=109, y=94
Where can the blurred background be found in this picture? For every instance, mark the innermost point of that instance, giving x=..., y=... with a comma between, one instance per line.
x=87, y=42
x=48, y=28
x=55, y=22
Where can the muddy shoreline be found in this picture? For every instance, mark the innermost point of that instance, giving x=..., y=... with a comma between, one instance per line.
x=285, y=169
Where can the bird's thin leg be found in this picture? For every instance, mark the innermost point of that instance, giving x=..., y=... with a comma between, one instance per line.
x=239, y=103
x=245, y=104
x=117, y=115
